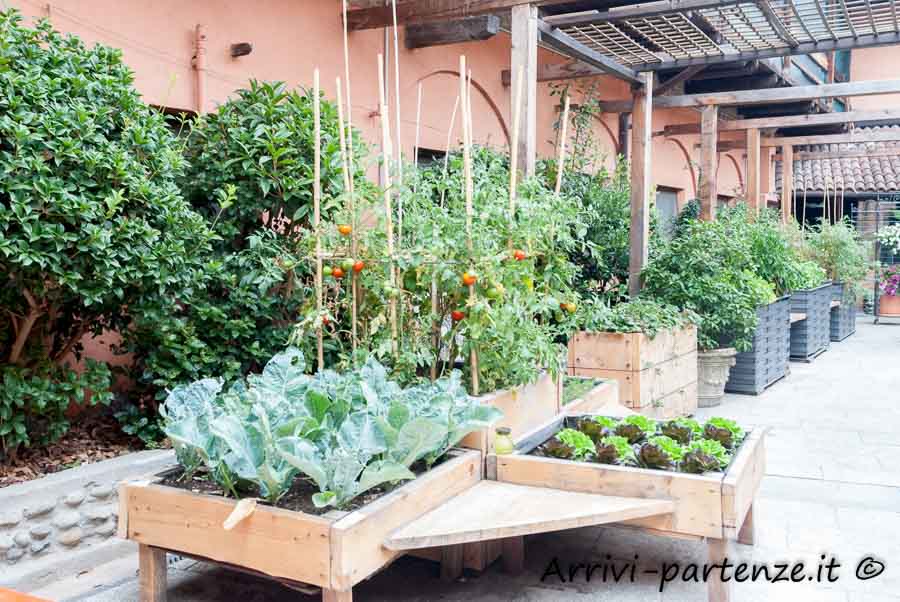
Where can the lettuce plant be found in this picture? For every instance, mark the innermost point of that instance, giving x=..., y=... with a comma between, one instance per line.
x=347, y=432
x=582, y=445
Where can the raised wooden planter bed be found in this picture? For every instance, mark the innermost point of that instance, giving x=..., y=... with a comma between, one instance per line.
x=602, y=394
x=843, y=315
x=714, y=507
x=334, y=551
x=769, y=359
x=657, y=376
x=811, y=336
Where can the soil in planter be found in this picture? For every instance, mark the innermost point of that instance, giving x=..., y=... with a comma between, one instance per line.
x=89, y=439
x=297, y=499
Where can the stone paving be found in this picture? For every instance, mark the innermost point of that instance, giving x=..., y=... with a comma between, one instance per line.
x=832, y=487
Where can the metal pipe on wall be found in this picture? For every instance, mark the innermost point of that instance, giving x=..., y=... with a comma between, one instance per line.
x=199, y=64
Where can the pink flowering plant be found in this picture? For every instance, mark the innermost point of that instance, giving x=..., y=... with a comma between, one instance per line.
x=890, y=280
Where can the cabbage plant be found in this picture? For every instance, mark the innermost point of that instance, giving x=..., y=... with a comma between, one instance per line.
x=347, y=432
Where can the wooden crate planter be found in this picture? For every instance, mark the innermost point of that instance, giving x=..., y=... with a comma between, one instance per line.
x=812, y=335
x=769, y=359
x=334, y=551
x=603, y=394
x=657, y=376
x=524, y=408
x=843, y=316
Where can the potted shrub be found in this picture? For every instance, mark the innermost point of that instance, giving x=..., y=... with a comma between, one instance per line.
x=889, y=286
x=811, y=301
x=838, y=249
x=705, y=269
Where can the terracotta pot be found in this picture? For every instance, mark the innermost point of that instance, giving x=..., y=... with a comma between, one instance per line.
x=713, y=368
x=889, y=305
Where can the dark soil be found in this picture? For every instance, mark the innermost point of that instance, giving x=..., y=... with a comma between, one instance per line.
x=89, y=439
x=298, y=499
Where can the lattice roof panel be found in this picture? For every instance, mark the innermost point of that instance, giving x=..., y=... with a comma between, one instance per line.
x=718, y=30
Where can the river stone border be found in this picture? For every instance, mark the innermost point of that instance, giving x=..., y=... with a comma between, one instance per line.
x=64, y=523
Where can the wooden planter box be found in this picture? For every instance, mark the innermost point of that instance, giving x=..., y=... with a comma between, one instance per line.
x=712, y=505
x=843, y=316
x=334, y=551
x=603, y=395
x=657, y=376
x=769, y=359
x=812, y=335
x=524, y=408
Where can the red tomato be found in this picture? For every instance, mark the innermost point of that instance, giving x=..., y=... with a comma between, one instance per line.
x=457, y=315
x=345, y=229
x=469, y=278
x=325, y=321
x=359, y=266
x=338, y=272
x=519, y=254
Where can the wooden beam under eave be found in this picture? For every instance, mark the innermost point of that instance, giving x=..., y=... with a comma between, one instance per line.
x=767, y=96
x=787, y=182
x=753, y=170
x=641, y=169
x=422, y=11
x=855, y=137
x=472, y=29
x=708, y=190
x=679, y=129
x=551, y=72
x=524, y=55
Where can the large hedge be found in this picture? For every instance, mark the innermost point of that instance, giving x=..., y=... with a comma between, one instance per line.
x=91, y=218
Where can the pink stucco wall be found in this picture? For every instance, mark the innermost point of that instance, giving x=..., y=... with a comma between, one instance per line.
x=871, y=64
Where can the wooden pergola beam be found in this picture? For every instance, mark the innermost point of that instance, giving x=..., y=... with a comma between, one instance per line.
x=472, y=29
x=862, y=154
x=422, y=11
x=785, y=122
x=854, y=137
x=708, y=191
x=767, y=95
x=754, y=152
x=523, y=59
x=569, y=46
x=641, y=170
x=556, y=72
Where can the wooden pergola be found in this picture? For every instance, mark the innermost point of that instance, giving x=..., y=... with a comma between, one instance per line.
x=637, y=42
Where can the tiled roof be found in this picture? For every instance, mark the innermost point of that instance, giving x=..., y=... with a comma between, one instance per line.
x=850, y=174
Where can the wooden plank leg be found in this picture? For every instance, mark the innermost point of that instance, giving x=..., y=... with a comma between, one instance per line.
x=333, y=595
x=451, y=562
x=747, y=534
x=152, y=563
x=717, y=551
x=513, y=555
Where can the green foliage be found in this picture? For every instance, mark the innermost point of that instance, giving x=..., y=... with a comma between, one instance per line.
x=698, y=452
x=642, y=314
x=660, y=452
x=839, y=250
x=347, y=432
x=34, y=401
x=725, y=431
x=812, y=275
x=251, y=171
x=140, y=422
x=710, y=271
x=582, y=446
x=624, y=453
x=91, y=218
x=635, y=428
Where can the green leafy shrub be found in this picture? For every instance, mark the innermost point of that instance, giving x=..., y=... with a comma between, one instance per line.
x=710, y=271
x=91, y=218
x=838, y=249
x=641, y=314
x=348, y=433
x=251, y=171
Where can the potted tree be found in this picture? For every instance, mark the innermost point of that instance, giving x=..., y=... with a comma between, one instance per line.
x=705, y=269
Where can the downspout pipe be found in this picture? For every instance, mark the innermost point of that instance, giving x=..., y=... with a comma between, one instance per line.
x=199, y=64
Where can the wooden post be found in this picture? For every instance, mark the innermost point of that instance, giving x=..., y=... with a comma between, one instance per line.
x=513, y=551
x=717, y=590
x=624, y=126
x=152, y=563
x=317, y=196
x=451, y=562
x=641, y=131
x=524, y=57
x=747, y=534
x=787, y=181
x=766, y=183
x=754, y=195
x=709, y=135
x=333, y=595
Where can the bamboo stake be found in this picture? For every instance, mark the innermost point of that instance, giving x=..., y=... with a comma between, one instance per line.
x=467, y=168
x=418, y=125
x=351, y=204
x=388, y=210
x=447, y=150
x=399, y=139
x=562, y=145
x=317, y=197
x=803, y=217
x=514, y=149
x=347, y=179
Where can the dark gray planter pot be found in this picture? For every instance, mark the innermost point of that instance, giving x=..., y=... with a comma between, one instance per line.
x=843, y=317
x=811, y=336
x=769, y=359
